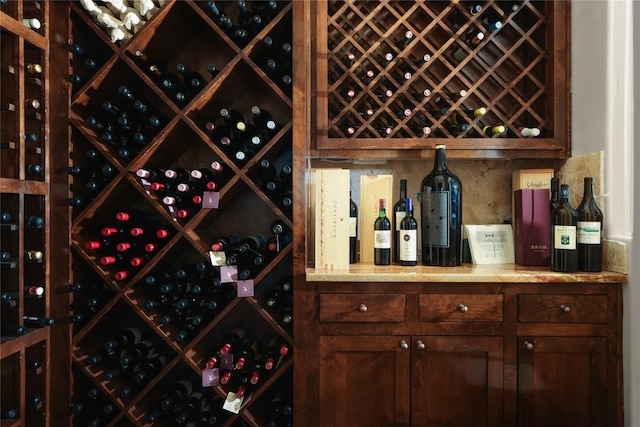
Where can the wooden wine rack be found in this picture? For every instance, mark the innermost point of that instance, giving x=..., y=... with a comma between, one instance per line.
x=26, y=179
x=180, y=32
x=519, y=73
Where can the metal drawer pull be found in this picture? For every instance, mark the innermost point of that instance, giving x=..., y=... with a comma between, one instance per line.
x=420, y=345
x=362, y=308
x=404, y=345
x=463, y=308
x=565, y=308
x=527, y=345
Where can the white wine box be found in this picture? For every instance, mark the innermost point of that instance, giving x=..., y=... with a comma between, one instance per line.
x=372, y=189
x=329, y=206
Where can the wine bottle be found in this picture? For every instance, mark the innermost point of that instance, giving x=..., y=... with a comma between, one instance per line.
x=408, y=242
x=233, y=339
x=441, y=214
x=564, y=222
x=191, y=78
x=589, y=231
x=32, y=23
x=382, y=236
x=37, y=321
x=353, y=231
x=399, y=211
x=555, y=193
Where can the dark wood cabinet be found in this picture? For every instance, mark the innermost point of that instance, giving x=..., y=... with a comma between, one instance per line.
x=359, y=369
x=455, y=353
x=563, y=381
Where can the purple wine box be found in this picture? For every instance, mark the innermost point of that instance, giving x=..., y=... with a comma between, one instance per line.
x=532, y=227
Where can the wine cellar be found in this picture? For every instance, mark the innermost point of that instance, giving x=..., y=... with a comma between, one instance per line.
x=155, y=221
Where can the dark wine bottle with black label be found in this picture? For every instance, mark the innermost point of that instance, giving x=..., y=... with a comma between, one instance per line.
x=441, y=214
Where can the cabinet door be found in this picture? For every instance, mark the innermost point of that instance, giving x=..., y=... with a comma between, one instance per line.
x=364, y=381
x=562, y=381
x=456, y=381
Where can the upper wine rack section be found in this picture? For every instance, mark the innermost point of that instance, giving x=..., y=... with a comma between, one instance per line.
x=488, y=78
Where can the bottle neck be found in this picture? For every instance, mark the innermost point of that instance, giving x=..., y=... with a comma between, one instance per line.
x=440, y=162
x=588, y=188
x=403, y=189
x=382, y=213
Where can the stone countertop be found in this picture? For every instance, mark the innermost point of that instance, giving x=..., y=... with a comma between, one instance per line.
x=466, y=273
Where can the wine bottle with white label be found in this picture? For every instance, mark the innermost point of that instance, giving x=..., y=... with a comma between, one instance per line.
x=353, y=231
x=399, y=211
x=564, y=248
x=382, y=236
x=589, y=236
x=408, y=233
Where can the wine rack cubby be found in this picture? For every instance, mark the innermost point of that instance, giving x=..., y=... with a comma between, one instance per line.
x=399, y=77
x=155, y=296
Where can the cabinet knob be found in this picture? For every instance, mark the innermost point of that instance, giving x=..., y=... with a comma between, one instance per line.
x=565, y=308
x=527, y=345
x=362, y=308
x=404, y=345
x=463, y=308
x=420, y=345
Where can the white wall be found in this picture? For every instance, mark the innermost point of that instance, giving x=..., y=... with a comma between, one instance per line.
x=603, y=92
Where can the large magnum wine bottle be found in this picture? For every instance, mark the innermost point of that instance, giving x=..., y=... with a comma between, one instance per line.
x=564, y=221
x=589, y=236
x=441, y=214
x=382, y=236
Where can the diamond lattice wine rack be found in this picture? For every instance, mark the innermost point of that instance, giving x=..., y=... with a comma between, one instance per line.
x=488, y=78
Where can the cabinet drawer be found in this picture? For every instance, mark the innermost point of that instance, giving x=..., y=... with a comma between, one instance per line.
x=461, y=308
x=562, y=308
x=362, y=308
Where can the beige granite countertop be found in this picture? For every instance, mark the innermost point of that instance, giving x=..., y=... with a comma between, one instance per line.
x=467, y=273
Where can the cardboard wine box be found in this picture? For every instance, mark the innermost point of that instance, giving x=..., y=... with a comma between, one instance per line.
x=532, y=227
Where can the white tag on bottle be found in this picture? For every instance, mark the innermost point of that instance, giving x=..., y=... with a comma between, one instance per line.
x=233, y=403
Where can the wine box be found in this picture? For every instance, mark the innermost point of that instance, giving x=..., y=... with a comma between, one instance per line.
x=529, y=179
x=532, y=227
x=329, y=199
x=372, y=189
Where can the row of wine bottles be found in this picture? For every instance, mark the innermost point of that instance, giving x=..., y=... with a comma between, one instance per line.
x=9, y=331
x=244, y=361
x=183, y=191
x=240, y=138
x=128, y=242
x=91, y=174
x=128, y=125
x=249, y=21
x=576, y=234
x=123, y=18
x=8, y=221
x=187, y=301
x=34, y=368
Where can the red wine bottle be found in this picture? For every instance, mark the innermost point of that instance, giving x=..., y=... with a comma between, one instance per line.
x=382, y=236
